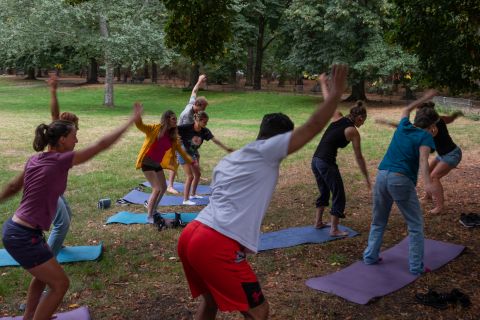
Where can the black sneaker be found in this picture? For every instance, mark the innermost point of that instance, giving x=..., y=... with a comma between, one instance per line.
x=461, y=297
x=433, y=299
x=469, y=220
x=158, y=221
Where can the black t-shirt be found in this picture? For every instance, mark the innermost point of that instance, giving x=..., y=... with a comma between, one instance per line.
x=191, y=139
x=333, y=138
x=443, y=142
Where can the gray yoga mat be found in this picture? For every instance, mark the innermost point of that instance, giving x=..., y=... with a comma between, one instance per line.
x=299, y=235
x=75, y=314
x=360, y=283
x=139, y=197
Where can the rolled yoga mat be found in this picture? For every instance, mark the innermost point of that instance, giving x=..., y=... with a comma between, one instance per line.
x=360, y=283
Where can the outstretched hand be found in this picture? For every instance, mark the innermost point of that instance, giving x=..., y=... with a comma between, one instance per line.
x=338, y=82
x=53, y=81
x=137, y=111
x=202, y=79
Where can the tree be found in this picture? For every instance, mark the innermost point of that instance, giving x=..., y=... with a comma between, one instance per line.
x=445, y=34
x=198, y=29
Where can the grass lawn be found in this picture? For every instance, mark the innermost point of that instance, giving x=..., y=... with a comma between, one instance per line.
x=140, y=276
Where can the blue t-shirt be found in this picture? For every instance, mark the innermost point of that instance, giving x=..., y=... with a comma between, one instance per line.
x=403, y=153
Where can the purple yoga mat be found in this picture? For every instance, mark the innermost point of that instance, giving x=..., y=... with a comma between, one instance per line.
x=360, y=283
x=75, y=314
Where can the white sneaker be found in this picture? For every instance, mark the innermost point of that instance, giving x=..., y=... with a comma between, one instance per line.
x=149, y=219
x=189, y=203
x=196, y=196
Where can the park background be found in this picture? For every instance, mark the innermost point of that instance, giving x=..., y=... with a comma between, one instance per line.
x=259, y=57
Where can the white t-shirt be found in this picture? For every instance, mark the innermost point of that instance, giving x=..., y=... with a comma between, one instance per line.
x=242, y=187
x=186, y=117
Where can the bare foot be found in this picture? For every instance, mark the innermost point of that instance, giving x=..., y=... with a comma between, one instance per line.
x=338, y=233
x=436, y=210
x=171, y=190
x=321, y=225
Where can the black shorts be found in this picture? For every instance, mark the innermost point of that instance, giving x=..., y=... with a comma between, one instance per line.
x=150, y=165
x=27, y=246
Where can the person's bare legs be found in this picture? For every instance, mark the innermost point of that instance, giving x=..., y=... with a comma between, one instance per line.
x=196, y=177
x=52, y=274
x=334, y=231
x=171, y=180
x=258, y=313
x=441, y=170
x=188, y=181
x=207, y=310
x=159, y=186
x=319, y=219
x=432, y=165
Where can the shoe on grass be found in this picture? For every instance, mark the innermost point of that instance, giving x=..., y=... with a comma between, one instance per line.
x=433, y=299
x=469, y=220
x=461, y=297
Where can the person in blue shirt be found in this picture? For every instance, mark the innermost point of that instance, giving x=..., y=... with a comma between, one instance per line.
x=397, y=178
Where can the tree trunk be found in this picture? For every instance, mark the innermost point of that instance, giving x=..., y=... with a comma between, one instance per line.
x=249, y=71
x=92, y=74
x=194, y=74
x=358, y=92
x=154, y=72
x=108, y=96
x=39, y=73
x=31, y=74
x=409, y=95
x=281, y=79
x=146, y=73
x=233, y=76
x=118, y=73
x=257, y=76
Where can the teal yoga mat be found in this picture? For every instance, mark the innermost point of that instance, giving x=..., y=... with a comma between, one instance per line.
x=126, y=217
x=66, y=255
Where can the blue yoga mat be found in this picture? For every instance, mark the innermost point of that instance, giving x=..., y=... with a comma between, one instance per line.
x=201, y=189
x=139, y=197
x=360, y=283
x=125, y=217
x=75, y=314
x=66, y=255
x=299, y=235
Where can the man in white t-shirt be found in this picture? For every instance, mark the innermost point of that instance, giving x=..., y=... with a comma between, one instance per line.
x=213, y=247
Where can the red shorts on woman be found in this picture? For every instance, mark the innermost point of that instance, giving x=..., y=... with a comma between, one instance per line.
x=216, y=264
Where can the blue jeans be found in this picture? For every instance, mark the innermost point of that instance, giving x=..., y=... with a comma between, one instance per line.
x=329, y=180
x=61, y=224
x=394, y=187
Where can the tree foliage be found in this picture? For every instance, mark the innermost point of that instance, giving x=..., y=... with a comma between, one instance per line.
x=198, y=29
x=445, y=34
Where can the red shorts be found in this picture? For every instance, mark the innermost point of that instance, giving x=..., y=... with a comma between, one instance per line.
x=216, y=264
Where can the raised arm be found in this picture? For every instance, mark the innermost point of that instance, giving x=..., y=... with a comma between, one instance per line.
x=12, y=187
x=108, y=140
x=201, y=80
x=426, y=97
x=221, y=145
x=323, y=113
x=452, y=117
x=353, y=135
x=54, y=108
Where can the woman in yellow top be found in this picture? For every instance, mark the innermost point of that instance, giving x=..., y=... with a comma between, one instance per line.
x=158, y=153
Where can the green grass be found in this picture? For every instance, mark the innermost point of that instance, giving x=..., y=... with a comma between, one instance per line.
x=139, y=264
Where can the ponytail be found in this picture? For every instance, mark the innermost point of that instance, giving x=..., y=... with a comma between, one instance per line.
x=358, y=110
x=50, y=134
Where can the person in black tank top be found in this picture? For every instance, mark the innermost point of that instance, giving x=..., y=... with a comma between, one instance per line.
x=448, y=156
x=339, y=133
